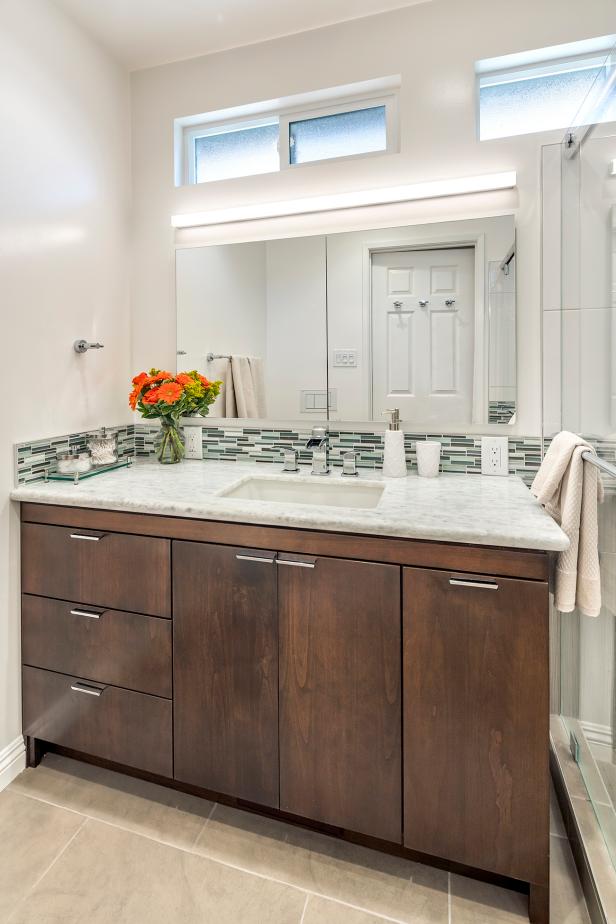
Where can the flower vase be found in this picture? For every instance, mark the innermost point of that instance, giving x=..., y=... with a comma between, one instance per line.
x=169, y=442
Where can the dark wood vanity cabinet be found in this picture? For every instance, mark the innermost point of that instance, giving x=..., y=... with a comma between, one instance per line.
x=340, y=693
x=476, y=712
x=225, y=651
x=395, y=690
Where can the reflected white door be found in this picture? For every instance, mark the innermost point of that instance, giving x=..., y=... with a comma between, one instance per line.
x=423, y=334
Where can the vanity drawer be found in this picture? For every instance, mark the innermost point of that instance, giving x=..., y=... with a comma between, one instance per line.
x=103, y=721
x=105, y=569
x=107, y=646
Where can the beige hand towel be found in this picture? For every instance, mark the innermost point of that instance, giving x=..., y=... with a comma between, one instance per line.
x=569, y=490
x=246, y=381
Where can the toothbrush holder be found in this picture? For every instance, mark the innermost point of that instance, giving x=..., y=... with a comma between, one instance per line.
x=428, y=458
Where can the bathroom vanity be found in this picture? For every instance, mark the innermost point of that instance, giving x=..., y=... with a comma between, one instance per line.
x=379, y=671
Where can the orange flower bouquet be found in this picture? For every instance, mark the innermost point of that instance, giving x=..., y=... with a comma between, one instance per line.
x=170, y=397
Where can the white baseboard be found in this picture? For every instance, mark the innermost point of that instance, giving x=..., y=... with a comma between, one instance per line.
x=12, y=761
x=600, y=740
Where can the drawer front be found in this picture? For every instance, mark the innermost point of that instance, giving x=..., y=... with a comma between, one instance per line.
x=106, y=646
x=118, y=725
x=114, y=570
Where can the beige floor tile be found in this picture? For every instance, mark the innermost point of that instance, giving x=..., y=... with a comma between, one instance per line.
x=145, y=808
x=557, y=825
x=324, y=911
x=111, y=876
x=474, y=902
x=567, y=905
x=365, y=878
x=32, y=835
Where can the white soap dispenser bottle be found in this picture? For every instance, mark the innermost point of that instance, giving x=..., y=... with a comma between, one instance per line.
x=394, y=459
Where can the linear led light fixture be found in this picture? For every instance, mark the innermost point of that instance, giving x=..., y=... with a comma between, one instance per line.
x=349, y=200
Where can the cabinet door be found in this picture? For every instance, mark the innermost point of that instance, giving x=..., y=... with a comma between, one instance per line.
x=340, y=699
x=225, y=657
x=476, y=715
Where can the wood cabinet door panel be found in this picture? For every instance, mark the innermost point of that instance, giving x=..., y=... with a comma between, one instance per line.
x=118, y=725
x=108, y=646
x=476, y=714
x=225, y=635
x=340, y=698
x=116, y=570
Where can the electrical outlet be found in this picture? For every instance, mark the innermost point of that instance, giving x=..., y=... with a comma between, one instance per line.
x=193, y=437
x=494, y=455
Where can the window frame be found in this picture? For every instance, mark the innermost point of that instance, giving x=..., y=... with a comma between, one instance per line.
x=534, y=69
x=284, y=116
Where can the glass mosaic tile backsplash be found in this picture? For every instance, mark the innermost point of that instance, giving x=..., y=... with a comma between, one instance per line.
x=460, y=453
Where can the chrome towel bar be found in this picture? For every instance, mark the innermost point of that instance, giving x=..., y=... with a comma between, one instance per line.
x=600, y=463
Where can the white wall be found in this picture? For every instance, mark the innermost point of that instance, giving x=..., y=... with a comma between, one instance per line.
x=64, y=189
x=221, y=304
x=434, y=47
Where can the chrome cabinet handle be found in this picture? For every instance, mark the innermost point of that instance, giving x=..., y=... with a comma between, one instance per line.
x=87, y=613
x=482, y=585
x=267, y=561
x=79, y=687
x=295, y=564
x=87, y=538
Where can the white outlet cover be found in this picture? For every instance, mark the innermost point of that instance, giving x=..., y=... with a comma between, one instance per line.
x=495, y=455
x=193, y=437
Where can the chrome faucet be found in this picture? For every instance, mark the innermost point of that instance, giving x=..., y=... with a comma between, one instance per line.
x=319, y=443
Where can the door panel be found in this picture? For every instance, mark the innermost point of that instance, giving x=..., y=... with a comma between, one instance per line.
x=225, y=655
x=340, y=698
x=423, y=347
x=476, y=712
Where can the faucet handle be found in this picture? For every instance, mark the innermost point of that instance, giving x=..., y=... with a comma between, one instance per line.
x=349, y=463
x=290, y=460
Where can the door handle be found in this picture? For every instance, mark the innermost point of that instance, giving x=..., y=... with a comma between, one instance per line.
x=87, y=538
x=88, y=688
x=481, y=585
x=87, y=613
x=267, y=561
x=295, y=564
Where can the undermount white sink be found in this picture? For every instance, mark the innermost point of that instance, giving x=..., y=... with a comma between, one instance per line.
x=320, y=490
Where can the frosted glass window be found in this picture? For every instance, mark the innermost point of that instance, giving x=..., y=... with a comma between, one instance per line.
x=533, y=104
x=360, y=131
x=238, y=152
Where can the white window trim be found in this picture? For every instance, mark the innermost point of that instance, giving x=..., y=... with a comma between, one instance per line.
x=381, y=92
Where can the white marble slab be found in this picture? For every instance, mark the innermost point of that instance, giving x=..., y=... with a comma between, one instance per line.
x=456, y=508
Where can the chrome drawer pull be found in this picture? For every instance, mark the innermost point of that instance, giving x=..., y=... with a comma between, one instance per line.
x=482, y=585
x=267, y=561
x=86, y=613
x=295, y=564
x=87, y=538
x=86, y=688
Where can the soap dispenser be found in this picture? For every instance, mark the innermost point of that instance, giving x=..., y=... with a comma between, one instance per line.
x=394, y=459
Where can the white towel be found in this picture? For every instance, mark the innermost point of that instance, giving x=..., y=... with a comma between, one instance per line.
x=245, y=388
x=569, y=490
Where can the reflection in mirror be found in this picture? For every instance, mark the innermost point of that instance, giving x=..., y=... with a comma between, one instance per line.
x=422, y=318
x=254, y=316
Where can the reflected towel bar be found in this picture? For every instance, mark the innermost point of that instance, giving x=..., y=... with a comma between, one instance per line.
x=600, y=463
x=209, y=357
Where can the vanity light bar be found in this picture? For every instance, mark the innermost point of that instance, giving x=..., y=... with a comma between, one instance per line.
x=431, y=190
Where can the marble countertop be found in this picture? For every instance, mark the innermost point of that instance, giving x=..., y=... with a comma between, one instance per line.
x=472, y=509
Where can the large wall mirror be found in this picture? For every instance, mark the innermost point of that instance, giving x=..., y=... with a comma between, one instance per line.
x=343, y=326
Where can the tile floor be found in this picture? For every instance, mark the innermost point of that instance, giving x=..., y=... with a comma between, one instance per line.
x=83, y=844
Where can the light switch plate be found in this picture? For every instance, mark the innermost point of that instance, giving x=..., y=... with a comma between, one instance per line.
x=494, y=455
x=345, y=358
x=193, y=441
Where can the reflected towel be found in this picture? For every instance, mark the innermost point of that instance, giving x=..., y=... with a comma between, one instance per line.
x=569, y=491
x=245, y=387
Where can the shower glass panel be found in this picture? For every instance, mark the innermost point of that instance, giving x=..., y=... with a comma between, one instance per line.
x=586, y=326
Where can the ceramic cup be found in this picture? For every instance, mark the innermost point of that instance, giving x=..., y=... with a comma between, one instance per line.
x=428, y=458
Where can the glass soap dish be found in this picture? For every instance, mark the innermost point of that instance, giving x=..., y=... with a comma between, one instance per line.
x=76, y=477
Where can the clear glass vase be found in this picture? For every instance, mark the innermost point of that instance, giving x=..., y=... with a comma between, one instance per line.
x=169, y=442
